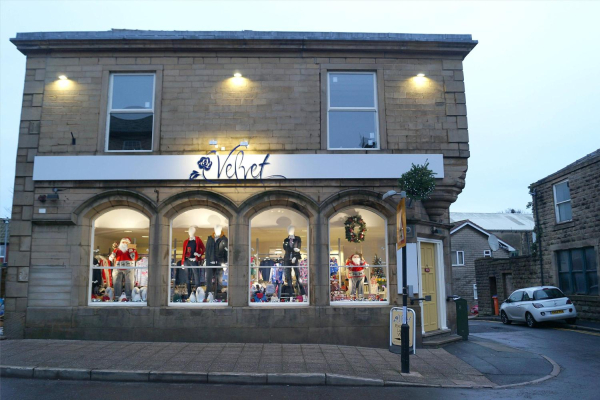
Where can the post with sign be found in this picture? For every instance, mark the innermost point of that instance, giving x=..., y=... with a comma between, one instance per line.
x=401, y=244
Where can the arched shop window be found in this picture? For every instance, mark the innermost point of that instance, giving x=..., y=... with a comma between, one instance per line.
x=199, y=259
x=358, y=269
x=279, y=258
x=119, y=273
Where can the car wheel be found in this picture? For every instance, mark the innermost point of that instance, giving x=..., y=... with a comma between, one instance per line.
x=505, y=319
x=531, y=322
x=571, y=321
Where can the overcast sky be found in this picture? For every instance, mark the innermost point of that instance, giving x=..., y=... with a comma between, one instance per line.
x=532, y=82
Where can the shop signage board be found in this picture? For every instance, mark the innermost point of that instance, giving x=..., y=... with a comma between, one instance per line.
x=401, y=224
x=235, y=165
x=395, y=328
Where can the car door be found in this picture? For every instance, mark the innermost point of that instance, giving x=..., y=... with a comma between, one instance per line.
x=521, y=306
x=512, y=306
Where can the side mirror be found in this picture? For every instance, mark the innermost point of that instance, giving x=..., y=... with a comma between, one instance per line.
x=508, y=301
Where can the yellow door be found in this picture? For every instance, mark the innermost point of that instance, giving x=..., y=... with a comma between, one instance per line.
x=428, y=279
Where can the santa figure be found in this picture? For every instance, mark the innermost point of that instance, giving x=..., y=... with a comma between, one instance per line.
x=124, y=259
x=356, y=273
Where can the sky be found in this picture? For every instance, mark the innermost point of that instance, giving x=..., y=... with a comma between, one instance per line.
x=532, y=82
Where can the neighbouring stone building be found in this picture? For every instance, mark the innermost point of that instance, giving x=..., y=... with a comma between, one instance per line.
x=213, y=186
x=568, y=207
x=469, y=242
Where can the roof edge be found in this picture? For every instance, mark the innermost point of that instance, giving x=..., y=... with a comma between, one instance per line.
x=28, y=42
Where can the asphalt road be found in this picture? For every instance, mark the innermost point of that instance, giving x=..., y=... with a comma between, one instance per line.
x=577, y=353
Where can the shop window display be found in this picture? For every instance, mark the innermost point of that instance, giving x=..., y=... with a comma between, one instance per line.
x=119, y=271
x=279, y=261
x=199, y=259
x=358, y=269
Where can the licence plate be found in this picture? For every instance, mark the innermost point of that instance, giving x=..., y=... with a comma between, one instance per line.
x=557, y=312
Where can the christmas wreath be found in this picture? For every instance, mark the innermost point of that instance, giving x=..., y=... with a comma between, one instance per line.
x=351, y=224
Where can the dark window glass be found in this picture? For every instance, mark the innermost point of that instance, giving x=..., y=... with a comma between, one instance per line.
x=549, y=293
x=351, y=90
x=564, y=282
x=352, y=129
x=516, y=296
x=130, y=132
x=131, y=92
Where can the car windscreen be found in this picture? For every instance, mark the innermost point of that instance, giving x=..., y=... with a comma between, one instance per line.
x=549, y=293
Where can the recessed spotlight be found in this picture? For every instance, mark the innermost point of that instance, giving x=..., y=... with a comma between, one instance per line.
x=62, y=77
x=421, y=75
x=144, y=236
x=127, y=231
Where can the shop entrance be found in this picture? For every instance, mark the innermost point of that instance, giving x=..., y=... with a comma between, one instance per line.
x=429, y=282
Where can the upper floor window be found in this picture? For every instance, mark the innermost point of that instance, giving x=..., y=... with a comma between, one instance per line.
x=458, y=258
x=352, y=116
x=2, y=251
x=487, y=253
x=562, y=202
x=130, y=112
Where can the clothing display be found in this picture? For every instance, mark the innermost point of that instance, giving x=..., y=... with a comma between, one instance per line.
x=217, y=250
x=290, y=244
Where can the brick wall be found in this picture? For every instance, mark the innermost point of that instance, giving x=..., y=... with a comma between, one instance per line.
x=473, y=243
x=524, y=270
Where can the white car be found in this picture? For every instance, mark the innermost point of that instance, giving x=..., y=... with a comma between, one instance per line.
x=537, y=304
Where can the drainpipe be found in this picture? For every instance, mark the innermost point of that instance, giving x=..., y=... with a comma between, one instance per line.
x=533, y=193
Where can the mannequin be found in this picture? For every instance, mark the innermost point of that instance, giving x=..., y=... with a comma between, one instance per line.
x=356, y=274
x=291, y=246
x=217, y=250
x=193, y=251
x=124, y=259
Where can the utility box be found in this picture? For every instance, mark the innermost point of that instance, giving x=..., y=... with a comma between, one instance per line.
x=462, y=318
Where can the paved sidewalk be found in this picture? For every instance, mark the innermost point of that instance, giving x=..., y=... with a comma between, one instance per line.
x=235, y=363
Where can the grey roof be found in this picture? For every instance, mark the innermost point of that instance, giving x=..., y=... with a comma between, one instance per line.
x=131, y=34
x=582, y=160
x=497, y=221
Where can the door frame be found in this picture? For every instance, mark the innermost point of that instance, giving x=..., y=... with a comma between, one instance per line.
x=440, y=281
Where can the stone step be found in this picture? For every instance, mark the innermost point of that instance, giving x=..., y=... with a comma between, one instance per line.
x=440, y=340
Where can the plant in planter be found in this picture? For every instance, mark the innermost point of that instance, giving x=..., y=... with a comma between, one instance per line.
x=418, y=182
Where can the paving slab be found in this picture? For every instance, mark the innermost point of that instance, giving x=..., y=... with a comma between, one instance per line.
x=466, y=364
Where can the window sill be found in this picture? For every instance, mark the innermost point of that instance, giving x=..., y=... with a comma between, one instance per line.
x=564, y=225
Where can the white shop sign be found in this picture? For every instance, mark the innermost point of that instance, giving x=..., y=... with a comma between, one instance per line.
x=235, y=165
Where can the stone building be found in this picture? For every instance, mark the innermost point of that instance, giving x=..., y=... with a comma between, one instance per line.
x=469, y=242
x=206, y=186
x=568, y=206
x=515, y=229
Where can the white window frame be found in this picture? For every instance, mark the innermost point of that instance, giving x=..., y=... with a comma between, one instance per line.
x=172, y=267
x=110, y=110
x=556, y=204
x=463, y=259
x=287, y=304
x=341, y=264
x=487, y=253
x=368, y=109
x=93, y=267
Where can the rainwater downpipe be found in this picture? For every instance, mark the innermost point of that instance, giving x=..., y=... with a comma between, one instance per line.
x=538, y=233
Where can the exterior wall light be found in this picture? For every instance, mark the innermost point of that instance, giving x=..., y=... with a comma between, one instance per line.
x=213, y=143
x=244, y=143
x=62, y=77
x=421, y=75
x=237, y=75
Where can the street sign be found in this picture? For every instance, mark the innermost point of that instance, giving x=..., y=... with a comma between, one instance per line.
x=401, y=224
x=395, y=328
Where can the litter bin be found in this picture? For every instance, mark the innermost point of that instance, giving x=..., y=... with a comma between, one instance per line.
x=495, y=300
x=462, y=318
